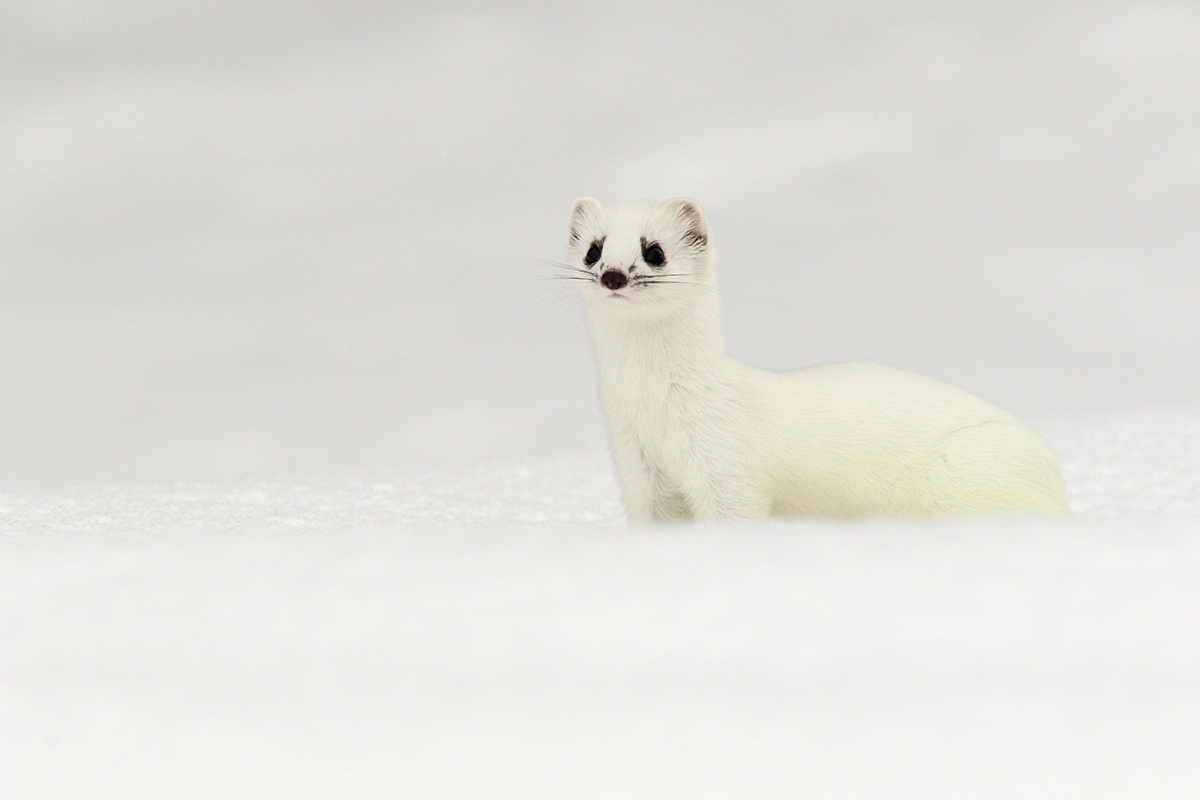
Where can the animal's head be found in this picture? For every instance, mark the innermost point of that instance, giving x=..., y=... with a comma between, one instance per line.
x=641, y=258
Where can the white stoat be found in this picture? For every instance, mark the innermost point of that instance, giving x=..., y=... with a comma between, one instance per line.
x=697, y=435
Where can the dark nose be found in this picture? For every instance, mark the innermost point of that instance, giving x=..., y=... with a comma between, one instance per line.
x=613, y=280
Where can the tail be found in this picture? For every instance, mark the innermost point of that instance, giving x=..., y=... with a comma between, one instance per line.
x=997, y=467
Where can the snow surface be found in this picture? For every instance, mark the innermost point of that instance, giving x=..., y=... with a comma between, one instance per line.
x=497, y=631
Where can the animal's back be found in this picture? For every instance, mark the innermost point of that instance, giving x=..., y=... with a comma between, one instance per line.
x=864, y=439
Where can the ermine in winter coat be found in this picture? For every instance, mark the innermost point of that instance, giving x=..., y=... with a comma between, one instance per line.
x=696, y=435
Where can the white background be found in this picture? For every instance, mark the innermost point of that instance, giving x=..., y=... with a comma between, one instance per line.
x=254, y=238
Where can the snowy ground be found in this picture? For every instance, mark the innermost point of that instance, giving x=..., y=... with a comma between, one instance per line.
x=497, y=632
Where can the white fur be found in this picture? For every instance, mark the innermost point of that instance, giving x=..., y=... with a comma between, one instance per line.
x=697, y=435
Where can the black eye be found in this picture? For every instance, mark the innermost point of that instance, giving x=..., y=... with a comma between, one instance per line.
x=593, y=253
x=653, y=255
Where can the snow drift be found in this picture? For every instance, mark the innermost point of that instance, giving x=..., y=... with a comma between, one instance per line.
x=498, y=632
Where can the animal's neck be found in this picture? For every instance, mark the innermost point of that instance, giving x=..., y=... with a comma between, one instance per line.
x=677, y=347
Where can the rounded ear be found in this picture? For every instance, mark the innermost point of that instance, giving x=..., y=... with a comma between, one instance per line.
x=584, y=210
x=685, y=210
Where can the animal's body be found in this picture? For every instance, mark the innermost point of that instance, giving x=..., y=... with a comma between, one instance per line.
x=695, y=434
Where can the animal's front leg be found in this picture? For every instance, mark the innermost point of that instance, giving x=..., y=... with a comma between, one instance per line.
x=722, y=488
x=647, y=494
x=727, y=499
x=635, y=479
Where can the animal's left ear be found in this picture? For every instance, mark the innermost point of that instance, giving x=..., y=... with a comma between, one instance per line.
x=695, y=229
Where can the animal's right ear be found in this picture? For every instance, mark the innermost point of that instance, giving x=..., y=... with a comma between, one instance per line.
x=584, y=210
